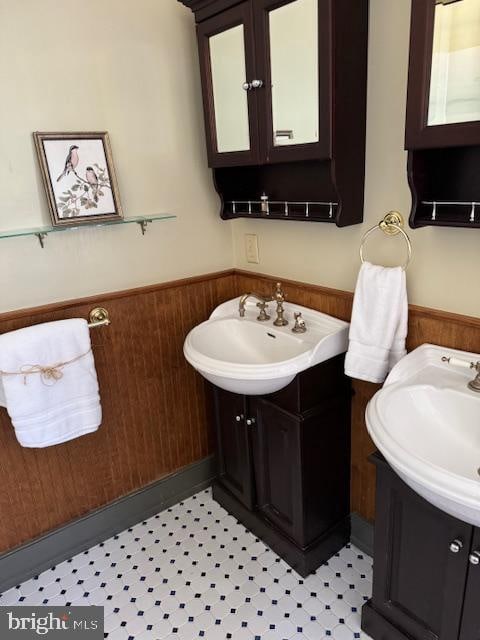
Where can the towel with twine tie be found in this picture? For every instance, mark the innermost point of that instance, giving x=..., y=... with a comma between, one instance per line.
x=49, y=374
x=56, y=398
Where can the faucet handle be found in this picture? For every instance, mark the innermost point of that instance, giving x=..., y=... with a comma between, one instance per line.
x=263, y=315
x=299, y=326
x=458, y=362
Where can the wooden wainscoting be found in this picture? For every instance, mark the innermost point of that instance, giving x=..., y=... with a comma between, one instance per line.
x=425, y=326
x=154, y=408
x=156, y=418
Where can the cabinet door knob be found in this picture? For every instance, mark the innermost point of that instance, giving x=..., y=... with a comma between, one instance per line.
x=456, y=546
x=250, y=421
x=254, y=84
x=239, y=418
x=475, y=558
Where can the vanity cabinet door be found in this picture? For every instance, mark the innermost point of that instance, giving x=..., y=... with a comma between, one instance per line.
x=276, y=444
x=227, y=66
x=471, y=610
x=294, y=54
x=234, y=458
x=420, y=570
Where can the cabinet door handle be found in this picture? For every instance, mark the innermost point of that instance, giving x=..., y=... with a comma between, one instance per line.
x=239, y=418
x=474, y=558
x=251, y=422
x=456, y=546
x=254, y=84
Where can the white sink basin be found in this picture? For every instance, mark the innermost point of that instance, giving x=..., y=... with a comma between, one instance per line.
x=426, y=422
x=246, y=356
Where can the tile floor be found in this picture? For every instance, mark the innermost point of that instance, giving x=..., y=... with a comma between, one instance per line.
x=193, y=571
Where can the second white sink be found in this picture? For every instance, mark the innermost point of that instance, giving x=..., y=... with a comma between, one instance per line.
x=426, y=422
x=246, y=356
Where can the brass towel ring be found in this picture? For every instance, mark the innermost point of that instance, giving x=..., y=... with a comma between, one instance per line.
x=391, y=225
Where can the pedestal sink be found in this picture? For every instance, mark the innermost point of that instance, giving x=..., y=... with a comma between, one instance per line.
x=249, y=357
x=426, y=423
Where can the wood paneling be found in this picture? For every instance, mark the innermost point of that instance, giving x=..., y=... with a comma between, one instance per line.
x=154, y=408
x=425, y=326
x=156, y=418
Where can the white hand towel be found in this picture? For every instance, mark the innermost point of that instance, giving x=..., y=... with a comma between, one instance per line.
x=49, y=382
x=379, y=323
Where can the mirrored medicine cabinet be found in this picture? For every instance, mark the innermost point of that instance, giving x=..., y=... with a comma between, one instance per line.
x=284, y=96
x=443, y=113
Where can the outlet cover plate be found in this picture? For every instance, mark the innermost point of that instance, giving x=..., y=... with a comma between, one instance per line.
x=251, y=248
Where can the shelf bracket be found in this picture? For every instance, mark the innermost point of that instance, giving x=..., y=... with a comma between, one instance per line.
x=41, y=239
x=143, y=225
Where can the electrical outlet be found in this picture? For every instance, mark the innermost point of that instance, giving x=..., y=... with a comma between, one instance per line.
x=251, y=248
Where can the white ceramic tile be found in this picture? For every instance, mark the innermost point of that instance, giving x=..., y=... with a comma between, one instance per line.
x=194, y=572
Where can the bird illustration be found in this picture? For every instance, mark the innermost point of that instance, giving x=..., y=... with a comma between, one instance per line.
x=92, y=180
x=70, y=163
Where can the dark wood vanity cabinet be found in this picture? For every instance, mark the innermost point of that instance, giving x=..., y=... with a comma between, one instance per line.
x=284, y=96
x=425, y=586
x=443, y=113
x=470, y=624
x=284, y=464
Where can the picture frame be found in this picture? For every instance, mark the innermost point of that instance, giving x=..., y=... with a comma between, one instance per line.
x=79, y=177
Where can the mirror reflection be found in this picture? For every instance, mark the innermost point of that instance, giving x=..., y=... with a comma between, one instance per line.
x=227, y=61
x=294, y=68
x=455, y=75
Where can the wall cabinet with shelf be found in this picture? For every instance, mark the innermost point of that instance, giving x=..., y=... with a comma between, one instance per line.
x=284, y=94
x=426, y=577
x=443, y=113
x=284, y=464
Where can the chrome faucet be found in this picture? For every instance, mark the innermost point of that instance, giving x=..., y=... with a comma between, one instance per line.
x=261, y=304
x=278, y=297
x=474, y=384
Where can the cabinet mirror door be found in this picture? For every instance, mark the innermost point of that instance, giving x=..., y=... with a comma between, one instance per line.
x=294, y=69
x=297, y=64
x=444, y=81
x=455, y=75
x=227, y=64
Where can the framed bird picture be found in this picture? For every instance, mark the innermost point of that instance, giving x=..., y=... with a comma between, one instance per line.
x=79, y=177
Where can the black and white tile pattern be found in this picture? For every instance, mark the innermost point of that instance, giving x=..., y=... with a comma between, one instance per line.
x=194, y=572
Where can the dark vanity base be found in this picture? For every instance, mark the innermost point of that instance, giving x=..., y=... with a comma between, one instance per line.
x=303, y=560
x=376, y=626
x=426, y=583
x=283, y=464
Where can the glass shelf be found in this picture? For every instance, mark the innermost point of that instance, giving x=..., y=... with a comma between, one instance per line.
x=42, y=232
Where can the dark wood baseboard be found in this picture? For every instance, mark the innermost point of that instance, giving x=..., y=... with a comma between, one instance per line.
x=362, y=533
x=303, y=561
x=58, y=545
x=376, y=626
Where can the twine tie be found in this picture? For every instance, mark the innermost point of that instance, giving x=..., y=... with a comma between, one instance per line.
x=49, y=374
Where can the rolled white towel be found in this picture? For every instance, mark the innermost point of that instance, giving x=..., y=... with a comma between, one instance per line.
x=49, y=382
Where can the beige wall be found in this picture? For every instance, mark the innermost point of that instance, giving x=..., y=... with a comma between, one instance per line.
x=130, y=68
x=442, y=274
